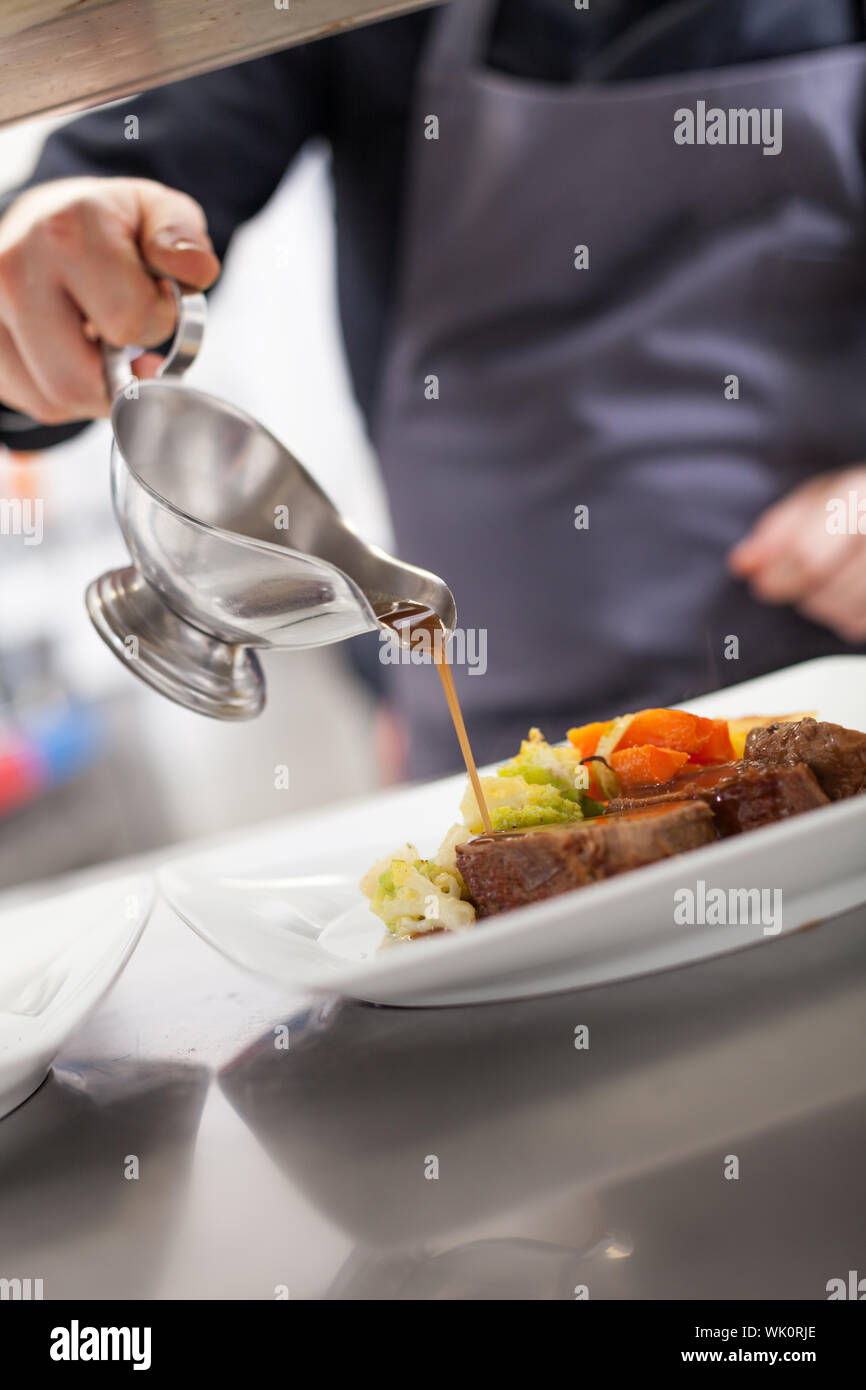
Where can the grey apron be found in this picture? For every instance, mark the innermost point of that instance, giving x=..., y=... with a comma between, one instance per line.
x=605, y=387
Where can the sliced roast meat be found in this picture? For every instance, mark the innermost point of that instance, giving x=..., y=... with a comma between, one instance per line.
x=837, y=756
x=740, y=795
x=517, y=867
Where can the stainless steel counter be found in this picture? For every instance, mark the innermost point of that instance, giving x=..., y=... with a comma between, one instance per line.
x=303, y=1169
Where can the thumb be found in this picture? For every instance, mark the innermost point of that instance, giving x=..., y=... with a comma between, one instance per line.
x=173, y=235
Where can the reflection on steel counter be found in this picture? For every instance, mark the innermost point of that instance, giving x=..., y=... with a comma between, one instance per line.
x=63, y=1189
x=564, y=1166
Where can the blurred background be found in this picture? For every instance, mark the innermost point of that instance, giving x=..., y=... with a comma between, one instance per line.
x=93, y=764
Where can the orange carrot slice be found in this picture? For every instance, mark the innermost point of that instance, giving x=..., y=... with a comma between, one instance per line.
x=717, y=747
x=646, y=765
x=668, y=728
x=587, y=736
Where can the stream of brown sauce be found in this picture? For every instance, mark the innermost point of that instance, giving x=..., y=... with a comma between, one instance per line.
x=406, y=619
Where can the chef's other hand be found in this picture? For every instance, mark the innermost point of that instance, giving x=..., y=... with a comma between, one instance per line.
x=74, y=261
x=809, y=550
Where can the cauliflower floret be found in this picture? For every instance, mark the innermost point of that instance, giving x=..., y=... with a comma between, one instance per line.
x=370, y=882
x=446, y=854
x=413, y=895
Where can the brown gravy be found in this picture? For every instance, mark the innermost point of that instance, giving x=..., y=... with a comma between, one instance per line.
x=702, y=779
x=406, y=619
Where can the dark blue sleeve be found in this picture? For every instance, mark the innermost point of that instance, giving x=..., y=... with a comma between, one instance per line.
x=226, y=138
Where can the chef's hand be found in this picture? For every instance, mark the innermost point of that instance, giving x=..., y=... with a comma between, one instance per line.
x=806, y=553
x=74, y=262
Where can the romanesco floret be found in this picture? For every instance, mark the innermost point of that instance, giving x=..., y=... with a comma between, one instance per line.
x=539, y=763
x=515, y=804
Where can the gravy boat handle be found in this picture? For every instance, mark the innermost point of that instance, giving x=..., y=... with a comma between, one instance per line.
x=188, y=333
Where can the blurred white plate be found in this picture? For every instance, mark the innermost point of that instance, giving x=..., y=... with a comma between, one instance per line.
x=285, y=903
x=58, y=957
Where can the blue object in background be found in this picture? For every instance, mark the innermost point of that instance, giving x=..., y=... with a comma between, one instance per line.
x=63, y=740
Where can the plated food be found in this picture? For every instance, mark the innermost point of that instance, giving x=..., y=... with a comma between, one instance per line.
x=615, y=796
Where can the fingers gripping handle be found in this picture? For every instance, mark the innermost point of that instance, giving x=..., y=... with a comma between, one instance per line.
x=188, y=334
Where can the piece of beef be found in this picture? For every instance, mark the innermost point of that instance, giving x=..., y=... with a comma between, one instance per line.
x=517, y=867
x=740, y=795
x=837, y=756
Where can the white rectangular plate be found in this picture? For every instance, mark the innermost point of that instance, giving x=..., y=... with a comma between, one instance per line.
x=285, y=904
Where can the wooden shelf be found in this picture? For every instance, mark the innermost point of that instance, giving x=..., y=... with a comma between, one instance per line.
x=61, y=55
